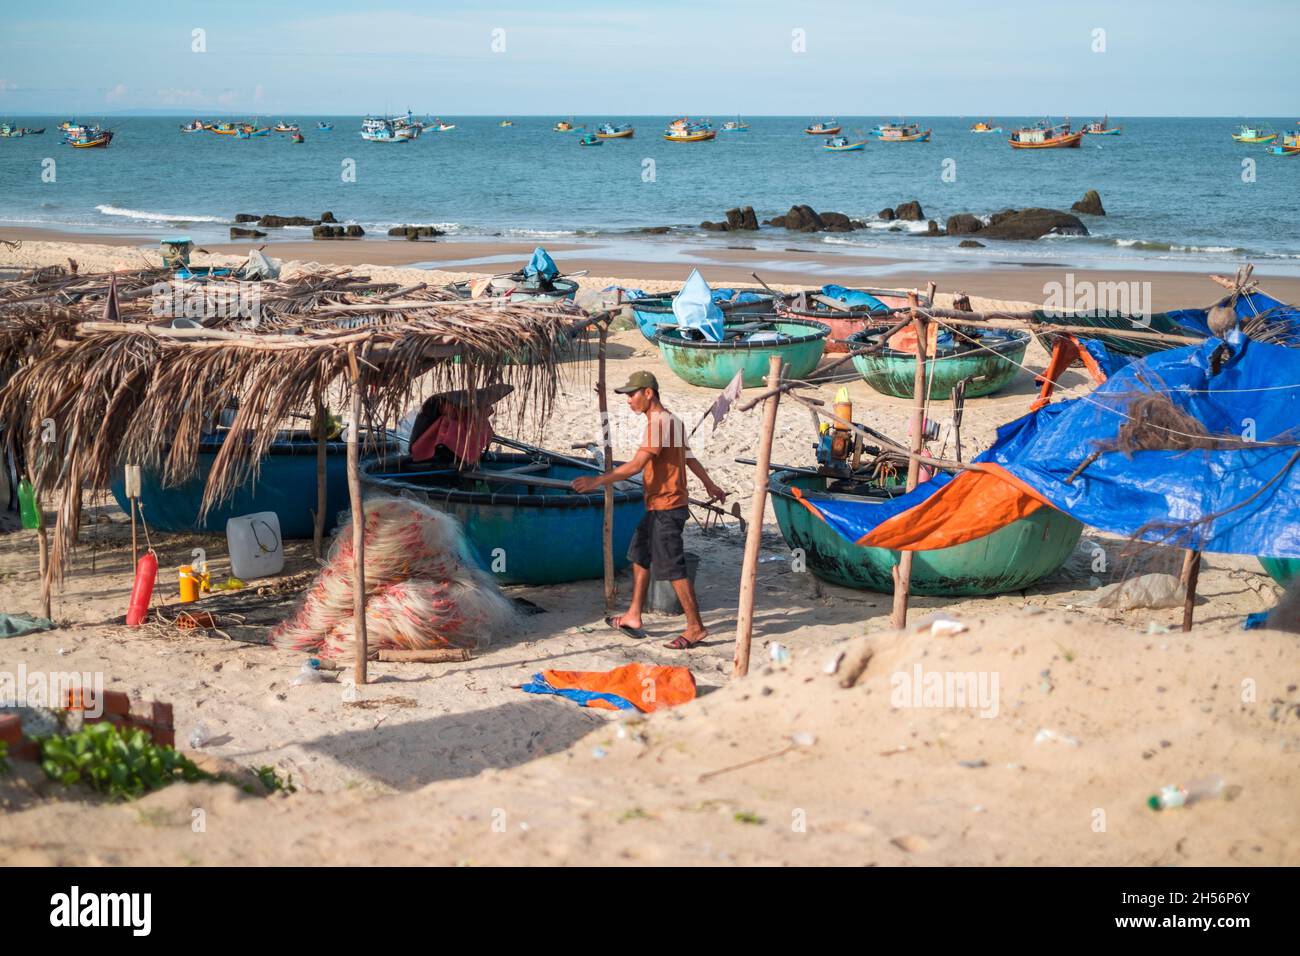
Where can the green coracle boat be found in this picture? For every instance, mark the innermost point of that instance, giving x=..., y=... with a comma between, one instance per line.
x=1009, y=559
x=989, y=366
x=1282, y=570
x=799, y=342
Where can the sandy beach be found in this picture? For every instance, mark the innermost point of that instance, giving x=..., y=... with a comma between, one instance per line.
x=452, y=764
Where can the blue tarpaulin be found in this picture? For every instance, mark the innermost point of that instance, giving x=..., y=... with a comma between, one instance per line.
x=695, y=308
x=1253, y=402
x=541, y=266
x=854, y=297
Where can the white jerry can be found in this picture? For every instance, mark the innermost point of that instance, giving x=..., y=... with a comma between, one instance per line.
x=255, y=547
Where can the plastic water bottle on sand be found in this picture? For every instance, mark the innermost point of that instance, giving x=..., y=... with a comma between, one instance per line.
x=1172, y=796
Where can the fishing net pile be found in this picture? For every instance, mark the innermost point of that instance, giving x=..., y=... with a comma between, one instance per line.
x=421, y=592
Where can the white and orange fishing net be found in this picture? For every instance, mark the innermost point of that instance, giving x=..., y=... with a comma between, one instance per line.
x=421, y=590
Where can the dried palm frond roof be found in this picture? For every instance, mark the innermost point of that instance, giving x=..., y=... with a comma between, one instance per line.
x=143, y=389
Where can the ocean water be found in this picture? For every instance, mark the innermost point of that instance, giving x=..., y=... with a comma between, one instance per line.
x=1179, y=193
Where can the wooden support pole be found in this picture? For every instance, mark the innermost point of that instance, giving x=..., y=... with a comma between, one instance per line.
x=43, y=542
x=318, y=532
x=754, y=535
x=358, y=523
x=607, y=526
x=903, y=571
x=1191, y=572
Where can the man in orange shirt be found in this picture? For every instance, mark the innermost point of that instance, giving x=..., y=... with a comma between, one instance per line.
x=664, y=459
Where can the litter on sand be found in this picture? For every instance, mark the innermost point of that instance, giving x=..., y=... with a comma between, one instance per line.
x=643, y=687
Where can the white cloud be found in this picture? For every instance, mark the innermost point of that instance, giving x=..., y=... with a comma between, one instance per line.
x=226, y=97
x=116, y=93
x=258, y=93
x=175, y=97
x=7, y=86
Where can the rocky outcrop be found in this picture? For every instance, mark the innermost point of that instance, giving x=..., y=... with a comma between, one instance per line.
x=336, y=232
x=934, y=230
x=837, y=222
x=970, y=244
x=909, y=212
x=1090, y=204
x=327, y=217
x=239, y=233
x=713, y=226
x=1032, y=224
x=275, y=222
x=246, y=217
x=656, y=230
x=416, y=232
x=963, y=224
x=742, y=218
x=886, y=215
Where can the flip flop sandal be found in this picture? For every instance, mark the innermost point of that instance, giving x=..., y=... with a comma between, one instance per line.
x=680, y=643
x=627, y=629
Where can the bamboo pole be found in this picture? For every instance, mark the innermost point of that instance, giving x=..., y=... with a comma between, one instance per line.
x=43, y=543
x=318, y=532
x=358, y=523
x=903, y=570
x=607, y=524
x=1027, y=320
x=1191, y=573
x=754, y=535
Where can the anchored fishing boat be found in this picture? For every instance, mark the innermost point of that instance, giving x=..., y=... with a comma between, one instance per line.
x=823, y=128
x=540, y=280
x=9, y=131
x=506, y=122
x=590, y=139
x=846, y=311
x=841, y=144
x=1254, y=134
x=622, y=131
x=297, y=137
x=985, y=127
x=1008, y=559
x=523, y=522
x=986, y=359
x=381, y=129
x=224, y=129
x=654, y=311
x=324, y=127
x=1102, y=127
x=566, y=126
x=902, y=133
x=197, y=126
x=281, y=477
x=1044, y=136
x=443, y=127
x=283, y=127
x=94, y=138
x=735, y=126
x=686, y=130
x=746, y=347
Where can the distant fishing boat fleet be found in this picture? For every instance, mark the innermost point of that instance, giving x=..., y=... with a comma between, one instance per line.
x=403, y=128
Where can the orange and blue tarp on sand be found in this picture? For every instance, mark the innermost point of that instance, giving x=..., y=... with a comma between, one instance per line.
x=1242, y=497
x=644, y=687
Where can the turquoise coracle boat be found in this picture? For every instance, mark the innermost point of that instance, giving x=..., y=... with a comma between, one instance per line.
x=1282, y=570
x=656, y=310
x=519, y=531
x=1009, y=559
x=286, y=484
x=989, y=365
x=799, y=342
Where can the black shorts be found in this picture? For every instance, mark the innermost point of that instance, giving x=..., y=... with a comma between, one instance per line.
x=657, y=544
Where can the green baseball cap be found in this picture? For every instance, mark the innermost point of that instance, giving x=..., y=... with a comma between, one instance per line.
x=637, y=381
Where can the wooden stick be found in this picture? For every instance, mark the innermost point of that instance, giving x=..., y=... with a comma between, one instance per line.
x=754, y=535
x=43, y=543
x=903, y=571
x=433, y=655
x=1027, y=320
x=318, y=532
x=607, y=524
x=1191, y=573
x=358, y=523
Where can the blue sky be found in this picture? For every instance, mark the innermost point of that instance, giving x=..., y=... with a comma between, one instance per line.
x=609, y=58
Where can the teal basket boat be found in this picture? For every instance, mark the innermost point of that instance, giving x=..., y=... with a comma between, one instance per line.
x=799, y=342
x=1009, y=559
x=1282, y=570
x=285, y=484
x=987, y=366
x=519, y=532
x=655, y=310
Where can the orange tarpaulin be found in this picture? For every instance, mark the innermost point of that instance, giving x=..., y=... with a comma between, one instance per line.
x=973, y=504
x=904, y=340
x=647, y=687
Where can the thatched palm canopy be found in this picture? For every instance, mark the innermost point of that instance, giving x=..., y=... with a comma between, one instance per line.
x=113, y=377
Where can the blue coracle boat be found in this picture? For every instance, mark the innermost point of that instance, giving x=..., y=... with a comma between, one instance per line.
x=286, y=485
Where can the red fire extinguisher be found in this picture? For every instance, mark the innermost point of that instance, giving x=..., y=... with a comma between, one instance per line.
x=146, y=570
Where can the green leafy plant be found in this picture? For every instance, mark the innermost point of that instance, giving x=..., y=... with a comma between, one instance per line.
x=4, y=752
x=124, y=764
x=271, y=781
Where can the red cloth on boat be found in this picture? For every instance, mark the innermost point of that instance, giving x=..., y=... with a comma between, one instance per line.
x=464, y=432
